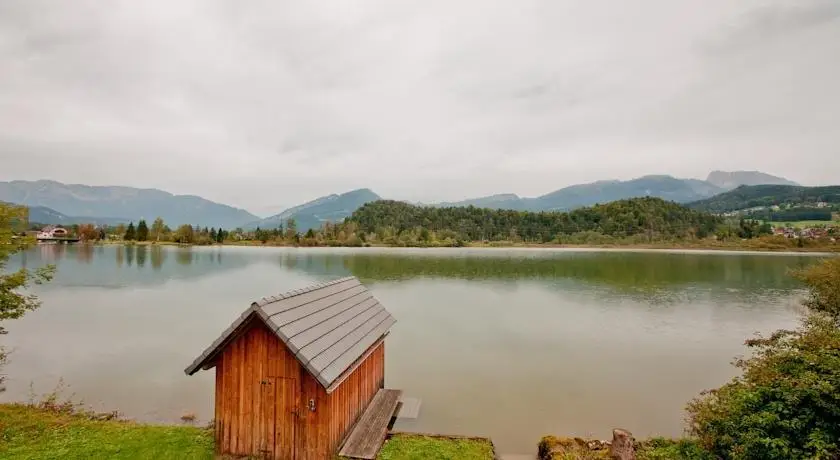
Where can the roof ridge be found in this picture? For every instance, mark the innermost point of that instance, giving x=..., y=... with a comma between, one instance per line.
x=296, y=292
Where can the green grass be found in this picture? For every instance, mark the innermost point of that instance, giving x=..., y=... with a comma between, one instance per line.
x=670, y=449
x=28, y=432
x=807, y=223
x=648, y=449
x=418, y=447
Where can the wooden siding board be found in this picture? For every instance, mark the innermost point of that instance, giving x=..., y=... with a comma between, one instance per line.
x=249, y=385
x=270, y=417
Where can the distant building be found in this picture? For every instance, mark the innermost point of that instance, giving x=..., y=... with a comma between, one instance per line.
x=52, y=232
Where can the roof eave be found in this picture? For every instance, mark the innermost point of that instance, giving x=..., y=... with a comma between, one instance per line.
x=332, y=386
x=210, y=352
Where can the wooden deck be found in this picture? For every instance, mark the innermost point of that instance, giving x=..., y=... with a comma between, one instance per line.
x=367, y=436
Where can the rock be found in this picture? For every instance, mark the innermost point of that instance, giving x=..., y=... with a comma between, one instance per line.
x=556, y=448
x=622, y=447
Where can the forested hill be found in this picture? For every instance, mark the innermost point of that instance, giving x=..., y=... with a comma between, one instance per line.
x=653, y=218
x=750, y=196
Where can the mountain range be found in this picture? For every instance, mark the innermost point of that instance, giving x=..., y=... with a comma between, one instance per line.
x=114, y=203
x=313, y=214
x=57, y=203
x=661, y=186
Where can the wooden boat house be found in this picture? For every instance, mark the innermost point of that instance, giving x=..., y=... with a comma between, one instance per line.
x=295, y=373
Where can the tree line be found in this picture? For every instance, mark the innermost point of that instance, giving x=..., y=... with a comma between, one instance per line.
x=648, y=219
x=396, y=223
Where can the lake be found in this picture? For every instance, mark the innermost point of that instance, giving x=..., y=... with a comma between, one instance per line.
x=507, y=343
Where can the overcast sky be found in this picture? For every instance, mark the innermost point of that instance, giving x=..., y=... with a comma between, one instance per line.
x=265, y=104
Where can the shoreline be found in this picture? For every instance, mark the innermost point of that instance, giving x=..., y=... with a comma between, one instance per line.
x=653, y=247
x=36, y=429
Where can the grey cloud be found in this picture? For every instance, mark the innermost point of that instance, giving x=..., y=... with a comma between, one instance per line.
x=267, y=104
x=774, y=21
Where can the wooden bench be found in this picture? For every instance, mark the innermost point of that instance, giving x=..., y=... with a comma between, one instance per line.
x=367, y=436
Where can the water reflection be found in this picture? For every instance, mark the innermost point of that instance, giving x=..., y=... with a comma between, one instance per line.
x=141, y=256
x=84, y=254
x=184, y=256
x=158, y=257
x=652, y=276
x=129, y=254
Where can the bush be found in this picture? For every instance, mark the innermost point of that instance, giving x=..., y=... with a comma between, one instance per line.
x=786, y=405
x=823, y=280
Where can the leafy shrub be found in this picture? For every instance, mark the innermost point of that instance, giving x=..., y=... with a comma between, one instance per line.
x=786, y=405
x=823, y=279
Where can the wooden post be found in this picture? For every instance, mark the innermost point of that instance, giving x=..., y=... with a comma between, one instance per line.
x=622, y=447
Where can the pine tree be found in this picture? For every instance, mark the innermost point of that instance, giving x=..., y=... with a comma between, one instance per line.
x=220, y=237
x=142, y=231
x=130, y=233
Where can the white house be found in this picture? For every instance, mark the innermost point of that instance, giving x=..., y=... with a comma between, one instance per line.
x=51, y=232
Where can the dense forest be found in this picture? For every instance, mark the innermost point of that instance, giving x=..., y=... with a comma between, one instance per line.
x=794, y=214
x=647, y=218
x=745, y=197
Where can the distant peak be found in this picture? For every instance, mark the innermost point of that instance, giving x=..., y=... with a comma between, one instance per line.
x=360, y=191
x=732, y=179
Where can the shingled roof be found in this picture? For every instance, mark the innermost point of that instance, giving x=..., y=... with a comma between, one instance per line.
x=328, y=327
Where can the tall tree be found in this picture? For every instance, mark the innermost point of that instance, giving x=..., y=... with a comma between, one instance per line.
x=142, y=231
x=87, y=232
x=130, y=232
x=158, y=229
x=185, y=234
x=220, y=237
x=291, y=229
x=13, y=302
x=120, y=230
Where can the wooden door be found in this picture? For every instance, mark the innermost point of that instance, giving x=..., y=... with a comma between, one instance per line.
x=265, y=425
x=286, y=395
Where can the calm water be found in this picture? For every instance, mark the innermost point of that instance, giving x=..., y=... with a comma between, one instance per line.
x=512, y=344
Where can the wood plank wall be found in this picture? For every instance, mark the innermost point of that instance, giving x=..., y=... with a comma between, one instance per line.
x=351, y=398
x=247, y=411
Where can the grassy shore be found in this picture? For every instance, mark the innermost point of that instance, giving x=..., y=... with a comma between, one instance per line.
x=420, y=447
x=29, y=432
x=557, y=448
